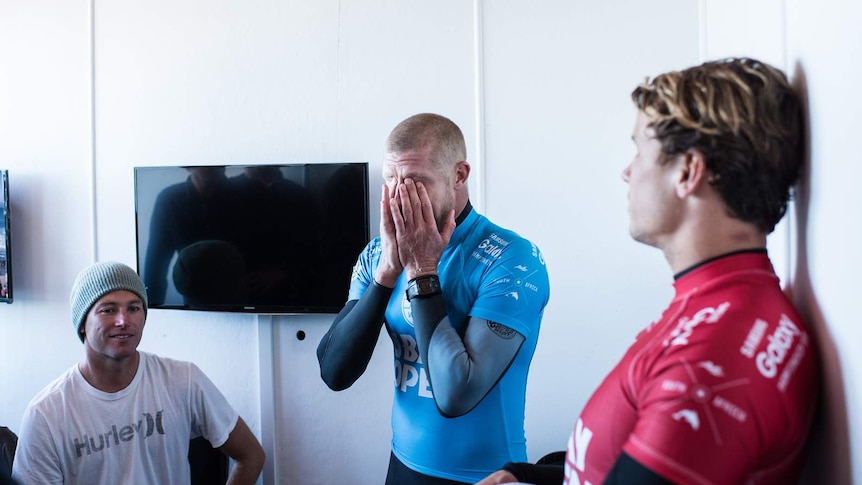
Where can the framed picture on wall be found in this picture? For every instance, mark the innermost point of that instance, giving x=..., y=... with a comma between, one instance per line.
x=5, y=240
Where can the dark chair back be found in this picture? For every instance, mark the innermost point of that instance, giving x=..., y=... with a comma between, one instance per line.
x=553, y=458
x=209, y=465
x=8, y=443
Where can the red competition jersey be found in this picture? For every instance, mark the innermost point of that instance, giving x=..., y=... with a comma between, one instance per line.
x=721, y=389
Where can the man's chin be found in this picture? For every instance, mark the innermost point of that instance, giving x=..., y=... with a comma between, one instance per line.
x=642, y=238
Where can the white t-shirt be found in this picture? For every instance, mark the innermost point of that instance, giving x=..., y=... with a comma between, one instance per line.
x=73, y=433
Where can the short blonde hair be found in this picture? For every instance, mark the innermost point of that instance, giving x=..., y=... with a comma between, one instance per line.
x=429, y=129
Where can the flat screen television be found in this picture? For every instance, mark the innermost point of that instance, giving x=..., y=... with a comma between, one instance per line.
x=5, y=240
x=274, y=239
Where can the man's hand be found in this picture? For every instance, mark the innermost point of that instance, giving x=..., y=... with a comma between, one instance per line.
x=389, y=267
x=420, y=243
x=498, y=477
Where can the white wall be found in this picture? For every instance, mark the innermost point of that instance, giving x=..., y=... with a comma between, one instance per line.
x=823, y=46
x=558, y=120
x=45, y=143
x=90, y=89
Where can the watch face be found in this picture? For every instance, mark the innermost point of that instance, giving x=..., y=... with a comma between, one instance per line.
x=423, y=286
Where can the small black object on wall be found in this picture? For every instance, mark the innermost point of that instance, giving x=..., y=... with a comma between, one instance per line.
x=5, y=240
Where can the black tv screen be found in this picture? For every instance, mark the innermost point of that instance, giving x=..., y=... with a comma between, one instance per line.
x=5, y=240
x=250, y=238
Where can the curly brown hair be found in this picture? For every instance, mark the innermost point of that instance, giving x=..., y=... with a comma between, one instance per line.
x=745, y=118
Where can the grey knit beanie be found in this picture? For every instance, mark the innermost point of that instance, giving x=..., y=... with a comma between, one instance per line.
x=97, y=281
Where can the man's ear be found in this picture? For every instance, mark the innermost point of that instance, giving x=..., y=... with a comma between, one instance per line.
x=462, y=171
x=693, y=173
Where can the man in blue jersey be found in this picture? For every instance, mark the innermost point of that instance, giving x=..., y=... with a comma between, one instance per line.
x=462, y=300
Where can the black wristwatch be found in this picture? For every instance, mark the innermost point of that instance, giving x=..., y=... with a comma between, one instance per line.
x=423, y=286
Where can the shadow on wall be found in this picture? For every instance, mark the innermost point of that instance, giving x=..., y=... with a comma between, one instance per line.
x=828, y=459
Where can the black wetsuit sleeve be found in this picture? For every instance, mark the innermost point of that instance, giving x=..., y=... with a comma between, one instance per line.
x=536, y=474
x=462, y=367
x=628, y=470
x=344, y=352
x=625, y=471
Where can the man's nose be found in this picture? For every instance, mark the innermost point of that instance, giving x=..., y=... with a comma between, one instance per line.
x=122, y=318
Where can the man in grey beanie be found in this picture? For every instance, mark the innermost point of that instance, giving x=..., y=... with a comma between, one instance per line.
x=122, y=415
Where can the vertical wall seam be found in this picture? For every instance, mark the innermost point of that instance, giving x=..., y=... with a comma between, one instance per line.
x=338, y=77
x=791, y=216
x=266, y=351
x=784, y=37
x=93, y=198
x=478, y=167
x=704, y=32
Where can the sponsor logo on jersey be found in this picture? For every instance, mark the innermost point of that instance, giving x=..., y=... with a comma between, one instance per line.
x=793, y=363
x=714, y=369
x=516, y=284
x=779, y=344
x=537, y=254
x=752, y=340
x=685, y=326
x=144, y=428
x=490, y=249
x=702, y=401
x=689, y=416
x=410, y=373
x=576, y=453
x=406, y=310
x=674, y=386
x=730, y=409
x=357, y=268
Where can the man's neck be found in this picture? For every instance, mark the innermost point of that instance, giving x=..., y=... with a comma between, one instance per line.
x=110, y=375
x=463, y=213
x=700, y=243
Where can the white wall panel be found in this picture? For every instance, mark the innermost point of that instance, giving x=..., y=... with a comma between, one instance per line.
x=823, y=45
x=45, y=146
x=737, y=28
x=327, y=437
x=559, y=119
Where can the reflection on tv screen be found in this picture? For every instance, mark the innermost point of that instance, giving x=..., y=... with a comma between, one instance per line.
x=256, y=238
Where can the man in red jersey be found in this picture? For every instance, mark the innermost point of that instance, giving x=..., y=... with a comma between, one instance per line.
x=722, y=387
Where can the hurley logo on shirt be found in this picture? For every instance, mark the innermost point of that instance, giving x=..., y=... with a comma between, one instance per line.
x=145, y=427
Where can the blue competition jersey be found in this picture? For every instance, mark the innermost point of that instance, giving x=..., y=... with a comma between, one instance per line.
x=486, y=272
